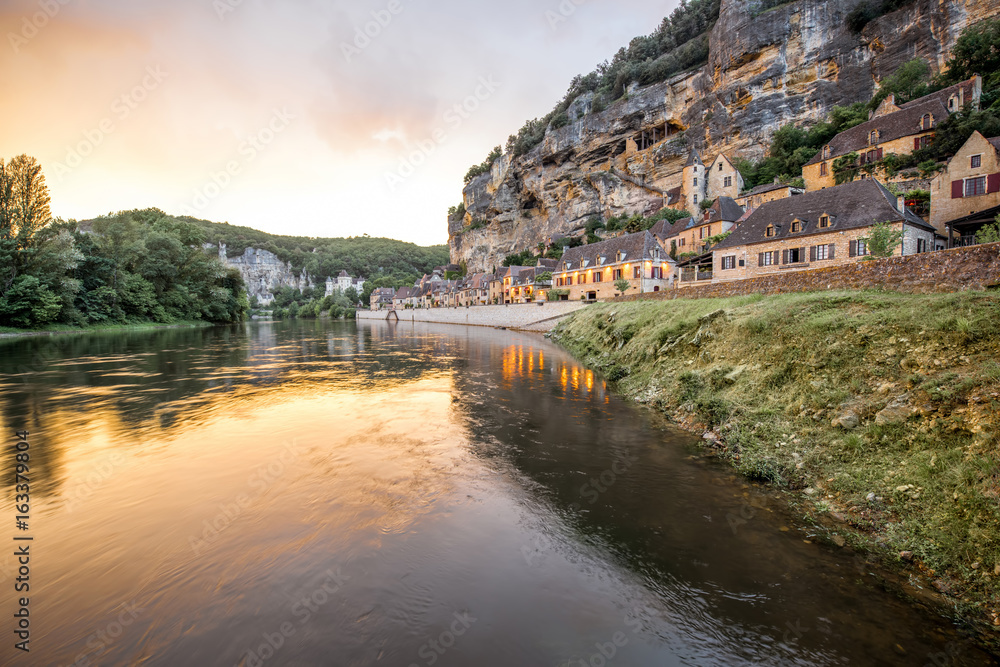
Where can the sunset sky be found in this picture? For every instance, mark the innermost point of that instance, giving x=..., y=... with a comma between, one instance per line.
x=276, y=115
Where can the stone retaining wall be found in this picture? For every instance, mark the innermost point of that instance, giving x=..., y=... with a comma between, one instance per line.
x=528, y=316
x=971, y=268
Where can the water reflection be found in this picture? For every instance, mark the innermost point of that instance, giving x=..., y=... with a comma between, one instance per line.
x=371, y=486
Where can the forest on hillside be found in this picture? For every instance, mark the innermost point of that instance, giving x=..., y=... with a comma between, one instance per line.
x=366, y=256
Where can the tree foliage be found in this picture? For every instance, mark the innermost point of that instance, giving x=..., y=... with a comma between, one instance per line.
x=678, y=44
x=882, y=240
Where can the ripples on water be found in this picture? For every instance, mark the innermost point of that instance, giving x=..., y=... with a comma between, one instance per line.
x=401, y=495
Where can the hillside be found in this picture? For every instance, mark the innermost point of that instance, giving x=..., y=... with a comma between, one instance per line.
x=764, y=66
x=875, y=412
x=321, y=258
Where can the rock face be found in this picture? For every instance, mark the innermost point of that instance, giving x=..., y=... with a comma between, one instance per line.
x=790, y=64
x=263, y=272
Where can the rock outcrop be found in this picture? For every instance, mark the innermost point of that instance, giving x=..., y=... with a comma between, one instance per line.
x=264, y=273
x=790, y=64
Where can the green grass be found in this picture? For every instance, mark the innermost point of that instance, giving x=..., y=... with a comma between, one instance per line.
x=65, y=328
x=770, y=375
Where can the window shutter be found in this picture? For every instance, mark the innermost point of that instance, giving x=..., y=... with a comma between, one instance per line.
x=854, y=249
x=878, y=154
x=916, y=143
x=784, y=257
x=802, y=254
x=760, y=259
x=956, y=189
x=833, y=248
x=993, y=183
x=812, y=253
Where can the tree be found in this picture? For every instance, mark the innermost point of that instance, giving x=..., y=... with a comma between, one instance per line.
x=989, y=233
x=622, y=285
x=882, y=240
x=910, y=81
x=24, y=212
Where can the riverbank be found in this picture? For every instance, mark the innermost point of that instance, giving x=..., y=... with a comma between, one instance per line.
x=876, y=413
x=540, y=316
x=56, y=330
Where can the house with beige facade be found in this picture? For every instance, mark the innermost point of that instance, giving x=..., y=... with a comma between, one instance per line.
x=691, y=235
x=816, y=230
x=762, y=194
x=891, y=130
x=590, y=271
x=966, y=195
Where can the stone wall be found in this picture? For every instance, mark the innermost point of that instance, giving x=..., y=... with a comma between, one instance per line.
x=527, y=316
x=956, y=270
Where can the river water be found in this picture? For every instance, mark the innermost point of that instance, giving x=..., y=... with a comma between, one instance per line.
x=315, y=493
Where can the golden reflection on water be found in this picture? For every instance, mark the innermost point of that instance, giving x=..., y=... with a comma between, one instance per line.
x=521, y=363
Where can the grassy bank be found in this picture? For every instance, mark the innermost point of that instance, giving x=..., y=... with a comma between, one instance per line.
x=54, y=329
x=877, y=413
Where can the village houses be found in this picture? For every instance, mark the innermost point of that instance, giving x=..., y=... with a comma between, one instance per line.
x=817, y=229
x=590, y=271
x=891, y=130
x=691, y=235
x=966, y=194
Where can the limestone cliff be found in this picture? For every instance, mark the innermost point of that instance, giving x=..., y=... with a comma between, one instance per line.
x=264, y=273
x=792, y=63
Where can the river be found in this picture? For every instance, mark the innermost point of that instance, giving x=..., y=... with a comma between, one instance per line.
x=317, y=493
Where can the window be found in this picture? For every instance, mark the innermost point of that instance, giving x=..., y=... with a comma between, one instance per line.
x=822, y=169
x=977, y=161
x=826, y=152
x=727, y=182
x=873, y=137
x=871, y=156
x=657, y=272
x=620, y=257
x=729, y=262
x=925, y=122
x=583, y=279
x=859, y=248
x=720, y=166
x=796, y=226
x=921, y=245
x=770, y=231
x=696, y=181
x=616, y=274
x=824, y=221
x=975, y=186
x=952, y=103
x=768, y=258
x=696, y=199
x=637, y=271
x=703, y=232
x=821, y=252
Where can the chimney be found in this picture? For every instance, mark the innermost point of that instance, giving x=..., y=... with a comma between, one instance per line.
x=901, y=203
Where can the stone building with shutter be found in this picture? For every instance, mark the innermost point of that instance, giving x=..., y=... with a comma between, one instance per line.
x=891, y=130
x=815, y=230
x=689, y=235
x=591, y=271
x=966, y=195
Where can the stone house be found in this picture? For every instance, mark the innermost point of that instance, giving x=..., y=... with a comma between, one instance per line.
x=966, y=195
x=719, y=178
x=590, y=271
x=724, y=179
x=476, y=290
x=381, y=298
x=816, y=230
x=691, y=234
x=891, y=130
x=762, y=194
x=401, y=298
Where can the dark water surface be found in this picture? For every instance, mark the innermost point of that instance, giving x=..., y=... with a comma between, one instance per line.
x=337, y=494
